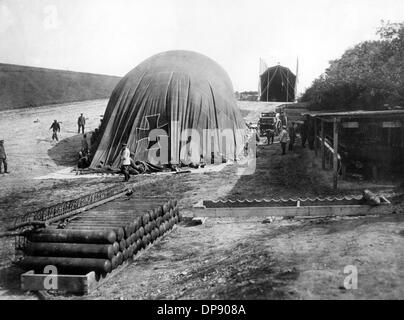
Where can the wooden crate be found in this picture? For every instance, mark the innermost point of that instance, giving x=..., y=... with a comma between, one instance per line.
x=78, y=284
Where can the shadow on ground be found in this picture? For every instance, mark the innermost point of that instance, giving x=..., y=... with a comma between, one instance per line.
x=10, y=281
x=277, y=175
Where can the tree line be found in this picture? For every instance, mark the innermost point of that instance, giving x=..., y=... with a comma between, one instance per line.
x=368, y=76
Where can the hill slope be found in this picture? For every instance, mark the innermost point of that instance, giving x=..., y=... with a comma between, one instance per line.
x=22, y=86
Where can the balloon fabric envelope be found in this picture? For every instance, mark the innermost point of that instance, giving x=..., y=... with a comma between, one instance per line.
x=177, y=106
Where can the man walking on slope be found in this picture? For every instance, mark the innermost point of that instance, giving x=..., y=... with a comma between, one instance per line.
x=125, y=161
x=81, y=122
x=55, y=128
x=3, y=157
x=283, y=139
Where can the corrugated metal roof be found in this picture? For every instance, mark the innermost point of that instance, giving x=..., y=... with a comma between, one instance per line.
x=356, y=113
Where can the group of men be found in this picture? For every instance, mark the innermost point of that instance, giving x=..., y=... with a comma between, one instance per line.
x=129, y=165
x=84, y=154
x=55, y=126
x=285, y=136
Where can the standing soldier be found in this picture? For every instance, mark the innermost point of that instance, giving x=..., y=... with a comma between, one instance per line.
x=55, y=128
x=270, y=135
x=81, y=121
x=125, y=161
x=283, y=139
x=3, y=157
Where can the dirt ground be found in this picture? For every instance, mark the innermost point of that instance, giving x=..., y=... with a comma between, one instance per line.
x=221, y=258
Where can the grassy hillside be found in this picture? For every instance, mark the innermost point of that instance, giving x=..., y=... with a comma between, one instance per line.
x=22, y=87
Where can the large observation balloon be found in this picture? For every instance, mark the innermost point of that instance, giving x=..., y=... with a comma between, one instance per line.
x=174, y=105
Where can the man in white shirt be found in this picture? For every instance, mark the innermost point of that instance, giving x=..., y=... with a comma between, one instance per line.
x=190, y=154
x=283, y=139
x=125, y=161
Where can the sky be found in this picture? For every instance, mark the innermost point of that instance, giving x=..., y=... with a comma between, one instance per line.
x=114, y=36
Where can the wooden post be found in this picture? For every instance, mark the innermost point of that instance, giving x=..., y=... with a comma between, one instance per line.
x=343, y=168
x=315, y=137
x=335, y=162
x=322, y=145
x=389, y=137
x=374, y=172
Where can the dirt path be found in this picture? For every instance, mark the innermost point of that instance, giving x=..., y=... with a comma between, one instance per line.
x=228, y=259
x=247, y=259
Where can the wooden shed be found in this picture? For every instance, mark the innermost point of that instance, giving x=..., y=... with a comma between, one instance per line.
x=375, y=139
